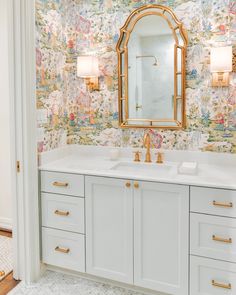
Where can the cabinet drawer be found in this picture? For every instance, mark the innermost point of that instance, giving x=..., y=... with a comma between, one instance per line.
x=63, y=212
x=213, y=201
x=213, y=237
x=212, y=277
x=62, y=183
x=63, y=249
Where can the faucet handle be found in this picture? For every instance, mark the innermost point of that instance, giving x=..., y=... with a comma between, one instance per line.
x=137, y=156
x=160, y=158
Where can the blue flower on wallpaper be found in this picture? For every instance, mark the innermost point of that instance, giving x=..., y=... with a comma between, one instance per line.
x=116, y=38
x=115, y=116
x=207, y=27
x=192, y=75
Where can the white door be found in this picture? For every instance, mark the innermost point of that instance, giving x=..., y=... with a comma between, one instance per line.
x=161, y=237
x=109, y=228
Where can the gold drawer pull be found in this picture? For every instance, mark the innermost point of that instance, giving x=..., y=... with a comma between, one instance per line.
x=62, y=250
x=60, y=184
x=223, y=286
x=225, y=205
x=62, y=213
x=218, y=239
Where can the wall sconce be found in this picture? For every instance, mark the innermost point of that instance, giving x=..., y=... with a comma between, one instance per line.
x=221, y=65
x=87, y=68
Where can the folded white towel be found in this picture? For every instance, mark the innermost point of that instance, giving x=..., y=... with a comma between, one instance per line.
x=188, y=168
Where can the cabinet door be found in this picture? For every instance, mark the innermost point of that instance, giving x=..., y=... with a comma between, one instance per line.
x=109, y=228
x=161, y=237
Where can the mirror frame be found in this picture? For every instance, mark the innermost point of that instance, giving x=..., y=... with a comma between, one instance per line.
x=122, y=51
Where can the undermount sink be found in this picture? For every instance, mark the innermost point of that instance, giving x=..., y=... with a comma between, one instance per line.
x=147, y=168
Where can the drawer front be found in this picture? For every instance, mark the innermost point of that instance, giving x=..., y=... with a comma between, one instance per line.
x=212, y=277
x=63, y=249
x=62, y=183
x=213, y=237
x=213, y=201
x=63, y=212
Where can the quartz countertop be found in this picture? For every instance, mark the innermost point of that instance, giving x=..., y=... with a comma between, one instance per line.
x=214, y=170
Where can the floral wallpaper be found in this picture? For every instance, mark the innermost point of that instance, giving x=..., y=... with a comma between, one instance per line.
x=68, y=114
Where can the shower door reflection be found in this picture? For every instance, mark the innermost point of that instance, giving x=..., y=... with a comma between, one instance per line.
x=151, y=53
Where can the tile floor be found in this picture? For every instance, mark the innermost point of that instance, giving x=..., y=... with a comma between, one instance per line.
x=53, y=283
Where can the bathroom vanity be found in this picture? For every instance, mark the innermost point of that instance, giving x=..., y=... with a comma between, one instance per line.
x=144, y=224
x=141, y=224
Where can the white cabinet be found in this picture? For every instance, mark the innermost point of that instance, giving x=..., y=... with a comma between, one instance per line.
x=62, y=217
x=213, y=201
x=137, y=232
x=62, y=183
x=134, y=232
x=63, y=249
x=63, y=212
x=161, y=233
x=212, y=277
x=213, y=237
x=109, y=228
x=161, y=237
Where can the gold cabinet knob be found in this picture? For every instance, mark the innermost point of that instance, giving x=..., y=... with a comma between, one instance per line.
x=137, y=156
x=128, y=184
x=136, y=185
x=159, y=158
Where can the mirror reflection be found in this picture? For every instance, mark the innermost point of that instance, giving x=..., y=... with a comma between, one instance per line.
x=151, y=56
x=151, y=69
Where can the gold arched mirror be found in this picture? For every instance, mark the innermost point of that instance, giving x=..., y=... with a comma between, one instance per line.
x=151, y=69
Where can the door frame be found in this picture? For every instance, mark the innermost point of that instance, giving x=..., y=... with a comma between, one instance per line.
x=23, y=125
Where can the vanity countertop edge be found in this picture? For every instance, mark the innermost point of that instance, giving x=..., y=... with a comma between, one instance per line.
x=94, y=161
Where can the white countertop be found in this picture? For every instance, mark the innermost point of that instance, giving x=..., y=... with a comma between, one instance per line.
x=214, y=170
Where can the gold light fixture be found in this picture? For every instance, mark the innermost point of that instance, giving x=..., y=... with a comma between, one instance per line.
x=221, y=65
x=87, y=68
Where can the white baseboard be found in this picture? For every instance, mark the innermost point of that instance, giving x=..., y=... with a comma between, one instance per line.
x=6, y=223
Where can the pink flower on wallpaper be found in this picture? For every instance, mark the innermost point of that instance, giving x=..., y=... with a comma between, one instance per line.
x=222, y=29
x=220, y=119
x=72, y=117
x=38, y=57
x=70, y=44
x=157, y=139
x=83, y=25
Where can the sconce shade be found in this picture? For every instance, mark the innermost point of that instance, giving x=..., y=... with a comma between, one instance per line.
x=87, y=66
x=221, y=59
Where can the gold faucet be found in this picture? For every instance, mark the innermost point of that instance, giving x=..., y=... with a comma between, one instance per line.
x=147, y=144
x=159, y=158
x=137, y=156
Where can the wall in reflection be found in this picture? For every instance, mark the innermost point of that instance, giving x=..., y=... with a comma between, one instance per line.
x=158, y=80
